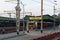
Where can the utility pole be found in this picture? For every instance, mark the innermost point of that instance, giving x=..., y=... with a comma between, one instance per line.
x=41, y=16
x=23, y=18
x=18, y=16
x=54, y=11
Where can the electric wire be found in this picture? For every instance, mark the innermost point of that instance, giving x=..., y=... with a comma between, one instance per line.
x=44, y=3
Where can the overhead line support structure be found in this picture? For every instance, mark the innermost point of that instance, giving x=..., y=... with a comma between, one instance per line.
x=18, y=16
x=41, y=16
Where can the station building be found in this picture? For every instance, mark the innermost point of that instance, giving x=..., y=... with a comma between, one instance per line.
x=35, y=21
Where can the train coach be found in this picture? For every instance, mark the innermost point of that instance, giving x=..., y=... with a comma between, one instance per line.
x=8, y=25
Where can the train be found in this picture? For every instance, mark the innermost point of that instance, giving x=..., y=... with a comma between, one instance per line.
x=9, y=26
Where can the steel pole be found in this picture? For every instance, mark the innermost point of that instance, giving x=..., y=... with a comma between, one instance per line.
x=54, y=17
x=23, y=18
x=41, y=16
x=54, y=12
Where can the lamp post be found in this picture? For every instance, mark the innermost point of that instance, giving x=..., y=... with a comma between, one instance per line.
x=18, y=17
x=41, y=16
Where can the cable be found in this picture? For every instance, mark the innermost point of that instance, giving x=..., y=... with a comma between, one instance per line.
x=52, y=2
x=39, y=2
x=35, y=1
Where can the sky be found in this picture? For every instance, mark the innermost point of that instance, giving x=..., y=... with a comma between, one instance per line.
x=30, y=6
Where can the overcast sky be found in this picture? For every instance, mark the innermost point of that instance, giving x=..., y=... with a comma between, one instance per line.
x=30, y=6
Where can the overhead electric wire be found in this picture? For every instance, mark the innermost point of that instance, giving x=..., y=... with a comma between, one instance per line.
x=35, y=1
x=52, y=2
x=39, y=2
x=47, y=0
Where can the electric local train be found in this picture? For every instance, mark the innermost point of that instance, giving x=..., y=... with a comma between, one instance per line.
x=9, y=26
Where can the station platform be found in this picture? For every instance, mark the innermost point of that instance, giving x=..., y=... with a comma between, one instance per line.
x=27, y=36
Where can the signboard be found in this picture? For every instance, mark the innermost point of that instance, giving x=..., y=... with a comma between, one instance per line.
x=35, y=18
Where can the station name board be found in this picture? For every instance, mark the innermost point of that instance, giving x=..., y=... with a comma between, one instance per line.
x=35, y=18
